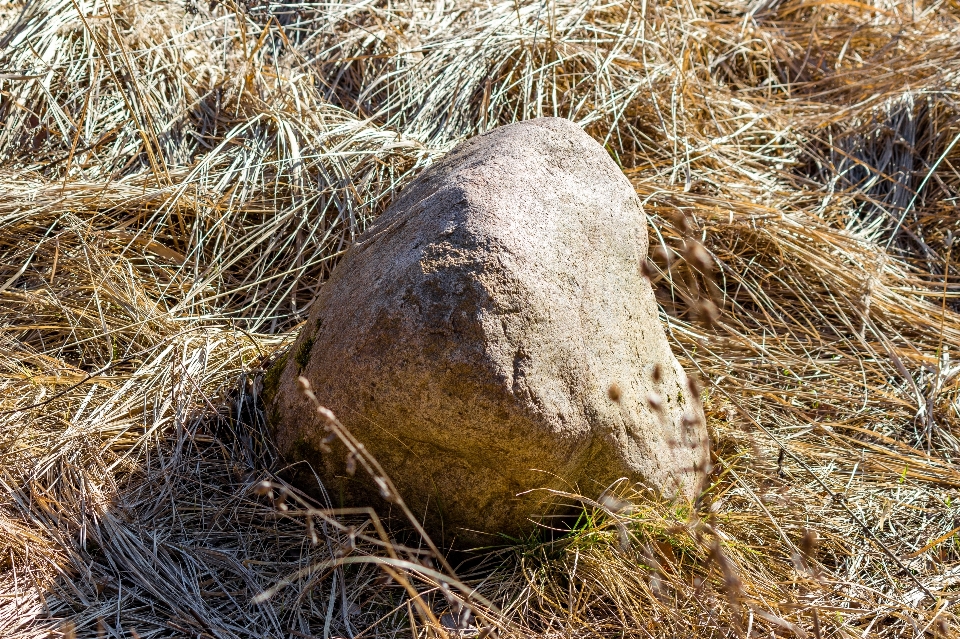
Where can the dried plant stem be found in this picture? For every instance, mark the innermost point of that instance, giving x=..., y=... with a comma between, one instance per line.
x=179, y=179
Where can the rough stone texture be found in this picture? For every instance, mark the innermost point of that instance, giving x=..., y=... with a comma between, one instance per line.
x=471, y=337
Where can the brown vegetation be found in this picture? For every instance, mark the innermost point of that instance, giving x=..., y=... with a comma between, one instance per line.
x=177, y=179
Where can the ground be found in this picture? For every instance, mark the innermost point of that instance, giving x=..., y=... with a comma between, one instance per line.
x=179, y=179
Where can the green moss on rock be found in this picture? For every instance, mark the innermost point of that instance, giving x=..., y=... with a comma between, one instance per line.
x=271, y=379
x=302, y=357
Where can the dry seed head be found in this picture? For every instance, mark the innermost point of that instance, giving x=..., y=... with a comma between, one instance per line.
x=263, y=488
x=698, y=256
x=714, y=290
x=280, y=503
x=942, y=627
x=650, y=558
x=665, y=254
x=698, y=583
x=681, y=220
x=646, y=269
x=614, y=392
x=326, y=441
x=731, y=580
x=304, y=385
x=614, y=503
x=655, y=401
x=808, y=543
x=689, y=419
x=656, y=373
x=351, y=464
x=384, y=489
x=658, y=586
x=707, y=312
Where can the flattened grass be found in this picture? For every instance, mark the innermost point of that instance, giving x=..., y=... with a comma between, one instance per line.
x=178, y=180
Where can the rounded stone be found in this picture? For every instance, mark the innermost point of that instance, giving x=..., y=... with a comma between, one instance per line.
x=492, y=336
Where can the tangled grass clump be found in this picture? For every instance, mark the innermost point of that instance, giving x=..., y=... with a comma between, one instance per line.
x=179, y=179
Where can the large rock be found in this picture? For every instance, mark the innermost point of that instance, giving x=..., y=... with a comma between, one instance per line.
x=492, y=333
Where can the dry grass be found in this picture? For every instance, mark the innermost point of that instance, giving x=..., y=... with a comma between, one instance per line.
x=178, y=179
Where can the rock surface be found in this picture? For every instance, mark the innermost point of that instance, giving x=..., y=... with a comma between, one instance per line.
x=475, y=335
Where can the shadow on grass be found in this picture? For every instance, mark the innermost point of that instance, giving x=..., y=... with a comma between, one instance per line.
x=187, y=543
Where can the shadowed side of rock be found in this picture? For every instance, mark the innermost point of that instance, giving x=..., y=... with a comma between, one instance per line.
x=471, y=336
